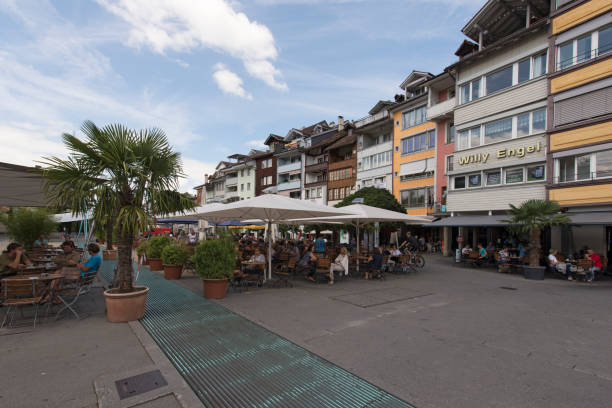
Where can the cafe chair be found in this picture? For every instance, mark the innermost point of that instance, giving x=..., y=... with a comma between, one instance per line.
x=17, y=293
x=72, y=288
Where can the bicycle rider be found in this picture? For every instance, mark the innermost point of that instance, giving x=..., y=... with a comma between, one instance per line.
x=409, y=244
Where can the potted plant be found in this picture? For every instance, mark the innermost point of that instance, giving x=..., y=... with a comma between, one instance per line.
x=214, y=261
x=154, y=251
x=109, y=253
x=141, y=252
x=25, y=225
x=173, y=257
x=123, y=176
x=532, y=217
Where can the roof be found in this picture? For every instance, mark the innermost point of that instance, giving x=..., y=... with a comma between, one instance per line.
x=348, y=139
x=415, y=100
x=591, y=218
x=21, y=187
x=440, y=78
x=380, y=105
x=499, y=18
x=466, y=47
x=416, y=78
x=326, y=142
x=238, y=156
x=273, y=138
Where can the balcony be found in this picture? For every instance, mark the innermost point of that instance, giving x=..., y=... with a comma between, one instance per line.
x=371, y=119
x=289, y=185
x=317, y=167
x=231, y=181
x=340, y=164
x=284, y=168
x=441, y=110
x=316, y=184
x=230, y=194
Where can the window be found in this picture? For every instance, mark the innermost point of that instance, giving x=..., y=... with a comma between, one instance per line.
x=567, y=169
x=499, y=80
x=535, y=173
x=522, y=125
x=498, y=130
x=342, y=193
x=539, y=120
x=474, y=180
x=414, y=117
x=603, y=164
x=583, y=51
x=241, y=173
x=450, y=133
x=249, y=171
x=464, y=141
x=566, y=55
x=475, y=137
x=583, y=167
x=242, y=187
x=514, y=176
x=465, y=93
x=524, y=70
x=418, y=143
x=449, y=162
x=476, y=89
x=415, y=198
x=539, y=65
x=330, y=195
x=319, y=192
x=387, y=138
x=493, y=178
x=459, y=182
x=605, y=40
x=470, y=91
x=248, y=186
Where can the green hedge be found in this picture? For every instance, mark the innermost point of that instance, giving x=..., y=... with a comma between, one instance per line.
x=215, y=258
x=156, y=245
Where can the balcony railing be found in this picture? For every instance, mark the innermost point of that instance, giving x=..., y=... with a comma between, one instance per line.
x=230, y=194
x=283, y=168
x=582, y=57
x=441, y=109
x=371, y=119
x=581, y=177
x=289, y=185
x=231, y=181
x=316, y=167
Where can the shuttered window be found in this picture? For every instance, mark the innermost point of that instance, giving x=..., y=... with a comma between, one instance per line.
x=581, y=107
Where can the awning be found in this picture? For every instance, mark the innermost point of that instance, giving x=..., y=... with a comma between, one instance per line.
x=471, y=221
x=177, y=221
x=417, y=167
x=21, y=187
x=591, y=218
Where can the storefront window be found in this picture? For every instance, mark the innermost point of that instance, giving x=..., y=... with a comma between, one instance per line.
x=604, y=163
x=535, y=173
x=493, y=178
x=514, y=176
x=474, y=180
x=498, y=130
x=459, y=182
x=499, y=80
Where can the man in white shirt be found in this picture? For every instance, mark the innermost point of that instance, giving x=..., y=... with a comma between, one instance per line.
x=192, y=237
x=559, y=266
x=341, y=264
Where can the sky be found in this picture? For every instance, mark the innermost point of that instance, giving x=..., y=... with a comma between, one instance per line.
x=218, y=76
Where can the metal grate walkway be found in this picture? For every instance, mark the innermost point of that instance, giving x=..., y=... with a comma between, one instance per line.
x=230, y=361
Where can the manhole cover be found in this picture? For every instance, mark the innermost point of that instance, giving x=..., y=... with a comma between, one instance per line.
x=139, y=384
x=507, y=288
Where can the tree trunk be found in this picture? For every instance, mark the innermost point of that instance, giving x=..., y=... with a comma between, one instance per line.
x=124, y=266
x=534, y=247
x=109, y=234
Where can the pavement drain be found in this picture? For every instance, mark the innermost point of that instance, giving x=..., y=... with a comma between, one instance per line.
x=139, y=384
x=507, y=288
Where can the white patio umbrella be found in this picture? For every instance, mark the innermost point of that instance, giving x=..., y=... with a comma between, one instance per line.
x=364, y=214
x=271, y=209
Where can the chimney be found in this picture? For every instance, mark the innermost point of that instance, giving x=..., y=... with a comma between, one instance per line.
x=340, y=123
x=206, y=179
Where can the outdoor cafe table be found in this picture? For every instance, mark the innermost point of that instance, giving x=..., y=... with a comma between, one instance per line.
x=48, y=266
x=45, y=281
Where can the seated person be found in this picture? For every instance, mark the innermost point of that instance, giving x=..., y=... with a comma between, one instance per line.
x=93, y=263
x=294, y=251
x=256, y=257
x=504, y=255
x=13, y=260
x=69, y=257
x=375, y=261
x=559, y=266
x=395, y=254
x=482, y=255
x=309, y=262
x=340, y=264
x=466, y=251
x=41, y=242
x=590, y=254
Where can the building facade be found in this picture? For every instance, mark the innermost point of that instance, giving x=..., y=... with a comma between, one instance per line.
x=579, y=172
x=375, y=148
x=342, y=168
x=414, y=142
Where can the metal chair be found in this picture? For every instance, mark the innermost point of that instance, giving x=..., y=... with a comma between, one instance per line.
x=73, y=286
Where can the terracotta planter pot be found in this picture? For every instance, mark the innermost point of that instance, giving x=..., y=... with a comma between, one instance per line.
x=173, y=271
x=125, y=307
x=214, y=288
x=156, y=264
x=109, y=254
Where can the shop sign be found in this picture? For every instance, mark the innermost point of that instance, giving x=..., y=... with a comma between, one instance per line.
x=518, y=152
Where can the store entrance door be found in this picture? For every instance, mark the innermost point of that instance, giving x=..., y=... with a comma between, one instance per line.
x=609, y=246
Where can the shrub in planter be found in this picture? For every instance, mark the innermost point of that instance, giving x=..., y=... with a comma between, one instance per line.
x=214, y=262
x=154, y=251
x=141, y=251
x=173, y=258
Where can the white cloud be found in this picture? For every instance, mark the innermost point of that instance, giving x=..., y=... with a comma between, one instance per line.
x=195, y=171
x=257, y=144
x=184, y=25
x=229, y=82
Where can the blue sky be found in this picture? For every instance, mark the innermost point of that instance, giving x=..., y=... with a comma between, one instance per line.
x=217, y=75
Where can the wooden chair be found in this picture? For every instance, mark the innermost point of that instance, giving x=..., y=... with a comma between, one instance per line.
x=18, y=292
x=72, y=287
x=322, y=272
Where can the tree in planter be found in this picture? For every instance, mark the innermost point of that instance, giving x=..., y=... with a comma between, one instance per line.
x=156, y=246
x=215, y=258
x=120, y=174
x=533, y=216
x=142, y=248
x=26, y=225
x=174, y=254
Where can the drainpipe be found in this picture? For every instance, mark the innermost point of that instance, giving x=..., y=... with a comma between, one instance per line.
x=528, y=15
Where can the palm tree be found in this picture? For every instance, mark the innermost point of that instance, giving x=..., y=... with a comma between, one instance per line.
x=121, y=174
x=533, y=216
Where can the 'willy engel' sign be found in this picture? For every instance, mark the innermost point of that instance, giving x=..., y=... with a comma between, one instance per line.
x=501, y=154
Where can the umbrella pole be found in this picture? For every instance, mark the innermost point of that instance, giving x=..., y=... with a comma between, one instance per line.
x=269, y=250
x=357, y=229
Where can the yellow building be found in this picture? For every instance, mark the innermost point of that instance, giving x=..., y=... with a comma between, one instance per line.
x=580, y=121
x=414, y=148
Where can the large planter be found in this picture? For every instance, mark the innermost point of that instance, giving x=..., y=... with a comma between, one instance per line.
x=125, y=307
x=172, y=272
x=156, y=264
x=214, y=288
x=109, y=254
x=534, y=272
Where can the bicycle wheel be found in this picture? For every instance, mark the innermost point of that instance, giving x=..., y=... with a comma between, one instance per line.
x=419, y=261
